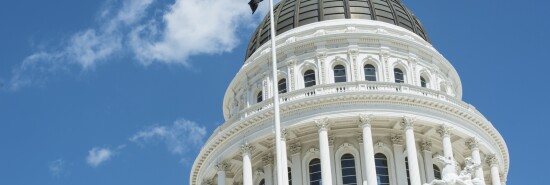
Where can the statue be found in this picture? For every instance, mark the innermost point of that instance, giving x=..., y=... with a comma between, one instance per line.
x=465, y=176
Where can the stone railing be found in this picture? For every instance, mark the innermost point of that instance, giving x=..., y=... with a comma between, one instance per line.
x=343, y=88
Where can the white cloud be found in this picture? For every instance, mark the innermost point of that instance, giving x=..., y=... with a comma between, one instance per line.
x=58, y=167
x=180, y=137
x=97, y=156
x=132, y=27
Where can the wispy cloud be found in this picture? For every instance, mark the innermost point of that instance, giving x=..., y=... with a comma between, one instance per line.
x=132, y=27
x=97, y=156
x=180, y=138
x=58, y=168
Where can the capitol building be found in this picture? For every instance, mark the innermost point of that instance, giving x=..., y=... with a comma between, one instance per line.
x=364, y=99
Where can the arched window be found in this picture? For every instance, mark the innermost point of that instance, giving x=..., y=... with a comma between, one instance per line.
x=309, y=78
x=349, y=175
x=315, y=172
x=423, y=82
x=339, y=73
x=262, y=182
x=282, y=86
x=382, y=172
x=289, y=176
x=370, y=72
x=437, y=172
x=399, y=76
x=407, y=168
x=259, y=97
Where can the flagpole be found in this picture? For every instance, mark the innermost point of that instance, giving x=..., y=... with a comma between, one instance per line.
x=277, y=120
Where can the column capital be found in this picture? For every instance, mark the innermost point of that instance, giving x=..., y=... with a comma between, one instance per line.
x=268, y=160
x=408, y=122
x=222, y=166
x=365, y=120
x=444, y=130
x=492, y=160
x=247, y=149
x=322, y=124
x=472, y=143
x=295, y=148
x=284, y=134
x=396, y=139
x=426, y=145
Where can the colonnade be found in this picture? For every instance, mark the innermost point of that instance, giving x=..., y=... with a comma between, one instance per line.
x=369, y=168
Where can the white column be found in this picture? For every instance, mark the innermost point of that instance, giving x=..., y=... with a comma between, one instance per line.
x=473, y=144
x=414, y=169
x=370, y=166
x=326, y=169
x=268, y=170
x=221, y=167
x=362, y=154
x=492, y=161
x=449, y=168
x=246, y=151
x=332, y=158
x=426, y=147
x=295, y=150
x=284, y=157
x=401, y=171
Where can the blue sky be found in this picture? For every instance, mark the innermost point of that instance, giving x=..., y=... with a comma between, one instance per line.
x=126, y=91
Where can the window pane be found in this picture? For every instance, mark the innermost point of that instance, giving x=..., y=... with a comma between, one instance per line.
x=370, y=73
x=315, y=171
x=382, y=172
x=282, y=86
x=339, y=74
x=348, y=169
x=309, y=78
x=399, y=77
x=259, y=97
x=423, y=82
x=289, y=176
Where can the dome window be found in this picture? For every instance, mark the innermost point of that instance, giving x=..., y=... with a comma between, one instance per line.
x=282, y=86
x=437, y=172
x=339, y=74
x=259, y=97
x=370, y=72
x=315, y=172
x=309, y=78
x=423, y=82
x=382, y=172
x=399, y=76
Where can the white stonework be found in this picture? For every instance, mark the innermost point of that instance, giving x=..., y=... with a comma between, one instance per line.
x=324, y=121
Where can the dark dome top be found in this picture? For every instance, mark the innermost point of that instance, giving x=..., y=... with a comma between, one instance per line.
x=295, y=13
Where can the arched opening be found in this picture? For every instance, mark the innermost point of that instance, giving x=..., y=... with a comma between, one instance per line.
x=399, y=75
x=437, y=172
x=339, y=74
x=309, y=78
x=282, y=86
x=349, y=173
x=262, y=182
x=423, y=82
x=259, y=97
x=315, y=172
x=370, y=72
x=407, y=168
x=382, y=172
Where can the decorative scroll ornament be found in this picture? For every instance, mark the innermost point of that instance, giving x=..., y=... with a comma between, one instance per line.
x=396, y=139
x=380, y=144
x=313, y=150
x=247, y=149
x=365, y=120
x=444, y=131
x=408, y=122
x=260, y=172
x=345, y=146
x=472, y=143
x=426, y=145
x=222, y=166
x=322, y=124
x=267, y=160
x=295, y=148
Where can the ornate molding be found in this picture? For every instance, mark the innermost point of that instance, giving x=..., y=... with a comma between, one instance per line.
x=295, y=148
x=247, y=149
x=360, y=138
x=380, y=144
x=345, y=146
x=396, y=139
x=322, y=124
x=313, y=150
x=207, y=182
x=472, y=143
x=444, y=130
x=267, y=160
x=222, y=166
x=365, y=120
x=331, y=140
x=408, y=122
x=260, y=172
x=426, y=145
